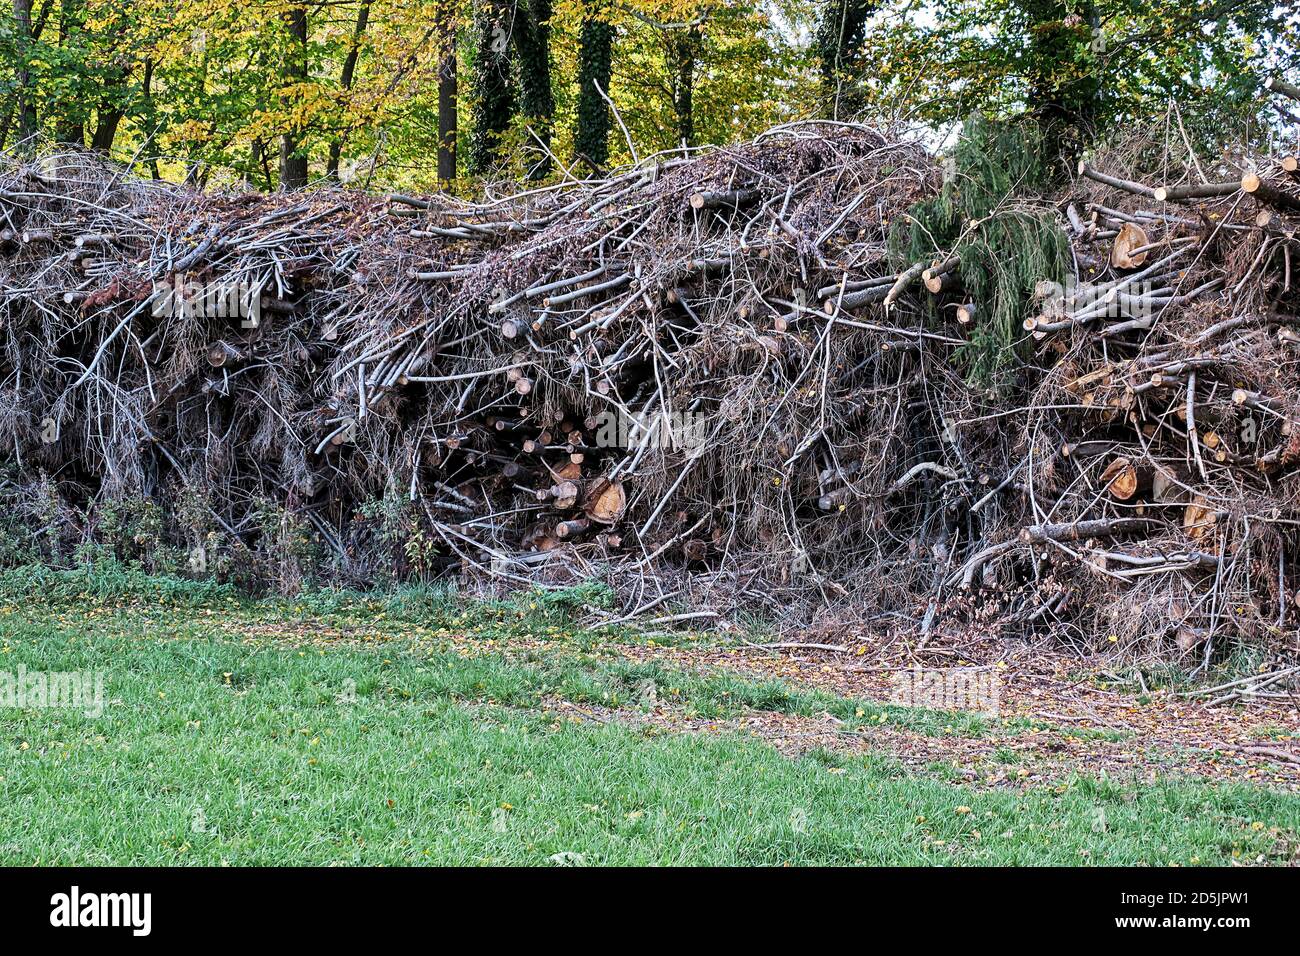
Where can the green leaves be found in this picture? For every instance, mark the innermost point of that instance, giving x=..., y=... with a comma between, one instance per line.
x=1006, y=244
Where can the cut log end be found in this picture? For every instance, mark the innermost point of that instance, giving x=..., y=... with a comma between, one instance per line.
x=223, y=353
x=1124, y=253
x=571, y=529
x=606, y=501
x=1121, y=479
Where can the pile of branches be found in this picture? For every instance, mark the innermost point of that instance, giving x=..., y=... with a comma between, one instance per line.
x=634, y=371
x=1158, y=459
x=710, y=379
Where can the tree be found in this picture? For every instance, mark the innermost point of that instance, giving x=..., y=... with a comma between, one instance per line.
x=293, y=157
x=345, y=82
x=494, y=88
x=447, y=94
x=1081, y=66
x=532, y=37
x=591, y=139
x=701, y=71
x=685, y=47
x=26, y=95
x=837, y=45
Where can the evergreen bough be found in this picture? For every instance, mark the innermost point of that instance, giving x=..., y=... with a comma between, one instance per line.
x=989, y=216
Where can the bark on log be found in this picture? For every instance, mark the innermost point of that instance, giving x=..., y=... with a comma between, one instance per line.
x=572, y=528
x=1268, y=194
x=1076, y=530
x=1194, y=191
x=1136, y=189
x=1276, y=84
x=725, y=199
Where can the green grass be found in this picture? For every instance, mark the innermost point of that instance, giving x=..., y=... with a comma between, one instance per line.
x=402, y=748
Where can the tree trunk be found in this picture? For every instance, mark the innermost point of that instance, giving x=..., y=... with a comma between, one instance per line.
x=262, y=162
x=150, y=113
x=447, y=94
x=26, y=96
x=106, y=122
x=346, y=78
x=684, y=49
x=293, y=160
x=841, y=29
x=532, y=36
x=494, y=95
x=591, y=140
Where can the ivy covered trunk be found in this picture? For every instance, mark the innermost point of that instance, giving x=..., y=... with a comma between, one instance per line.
x=532, y=36
x=591, y=141
x=1064, y=85
x=447, y=92
x=494, y=92
x=684, y=50
x=837, y=43
x=26, y=99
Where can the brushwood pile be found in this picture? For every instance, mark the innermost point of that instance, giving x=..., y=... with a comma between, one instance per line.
x=819, y=370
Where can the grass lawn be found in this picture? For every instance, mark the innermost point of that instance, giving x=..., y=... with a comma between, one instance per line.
x=250, y=733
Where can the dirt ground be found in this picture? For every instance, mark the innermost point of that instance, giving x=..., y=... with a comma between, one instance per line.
x=1057, y=715
x=1082, y=720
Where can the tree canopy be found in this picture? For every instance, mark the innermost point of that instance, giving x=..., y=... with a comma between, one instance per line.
x=279, y=93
